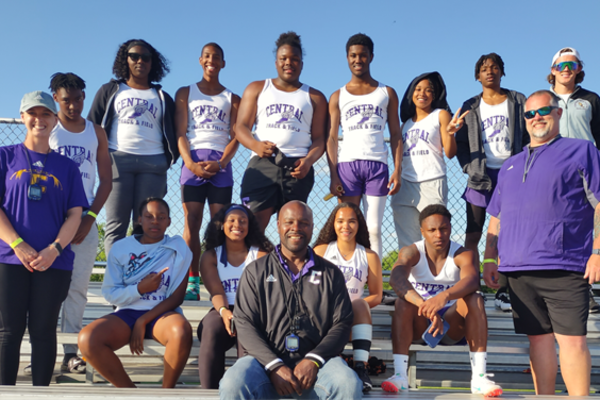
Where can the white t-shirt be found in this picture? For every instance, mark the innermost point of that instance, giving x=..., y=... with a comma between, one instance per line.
x=363, y=120
x=423, y=280
x=355, y=270
x=495, y=134
x=137, y=125
x=230, y=275
x=423, y=153
x=285, y=118
x=82, y=148
x=208, y=119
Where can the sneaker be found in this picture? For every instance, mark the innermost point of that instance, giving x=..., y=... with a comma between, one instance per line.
x=502, y=302
x=594, y=307
x=27, y=370
x=74, y=365
x=361, y=370
x=193, y=291
x=395, y=383
x=482, y=385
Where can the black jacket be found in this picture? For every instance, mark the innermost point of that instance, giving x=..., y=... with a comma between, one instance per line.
x=261, y=316
x=407, y=106
x=469, y=145
x=103, y=111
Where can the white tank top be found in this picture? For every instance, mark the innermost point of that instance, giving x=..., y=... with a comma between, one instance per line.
x=363, y=120
x=82, y=148
x=423, y=154
x=137, y=124
x=230, y=275
x=423, y=280
x=285, y=118
x=208, y=119
x=355, y=270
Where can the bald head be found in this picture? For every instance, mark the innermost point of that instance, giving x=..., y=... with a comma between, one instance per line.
x=295, y=226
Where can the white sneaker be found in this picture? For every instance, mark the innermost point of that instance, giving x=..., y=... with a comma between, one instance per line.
x=502, y=302
x=395, y=383
x=482, y=385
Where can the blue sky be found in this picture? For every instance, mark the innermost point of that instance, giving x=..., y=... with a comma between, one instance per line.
x=410, y=38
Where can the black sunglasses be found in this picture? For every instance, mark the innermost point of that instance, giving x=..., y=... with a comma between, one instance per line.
x=542, y=111
x=135, y=57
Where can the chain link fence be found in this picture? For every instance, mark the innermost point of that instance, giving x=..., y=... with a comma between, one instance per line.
x=12, y=131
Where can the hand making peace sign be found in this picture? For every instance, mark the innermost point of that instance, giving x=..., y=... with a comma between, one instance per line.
x=456, y=122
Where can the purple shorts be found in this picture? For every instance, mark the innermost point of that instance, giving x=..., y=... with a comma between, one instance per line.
x=130, y=316
x=482, y=198
x=222, y=178
x=364, y=177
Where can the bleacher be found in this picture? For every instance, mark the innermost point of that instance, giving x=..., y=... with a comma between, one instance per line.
x=442, y=367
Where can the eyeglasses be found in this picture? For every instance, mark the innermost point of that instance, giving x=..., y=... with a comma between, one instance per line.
x=135, y=57
x=572, y=65
x=542, y=111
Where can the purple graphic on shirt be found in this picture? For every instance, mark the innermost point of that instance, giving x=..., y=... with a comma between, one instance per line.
x=136, y=262
x=366, y=115
x=287, y=112
x=285, y=116
x=497, y=123
x=78, y=154
x=209, y=118
x=139, y=110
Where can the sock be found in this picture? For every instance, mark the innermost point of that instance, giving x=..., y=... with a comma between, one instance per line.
x=194, y=274
x=401, y=365
x=194, y=279
x=478, y=363
x=361, y=341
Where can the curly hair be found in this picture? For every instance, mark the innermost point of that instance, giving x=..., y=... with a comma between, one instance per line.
x=361, y=39
x=160, y=65
x=434, y=209
x=493, y=57
x=290, y=38
x=215, y=237
x=66, y=81
x=328, y=235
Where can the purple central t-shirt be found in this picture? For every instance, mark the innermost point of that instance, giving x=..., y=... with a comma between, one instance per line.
x=38, y=222
x=545, y=200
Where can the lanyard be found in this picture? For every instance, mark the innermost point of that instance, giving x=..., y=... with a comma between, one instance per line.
x=295, y=317
x=31, y=166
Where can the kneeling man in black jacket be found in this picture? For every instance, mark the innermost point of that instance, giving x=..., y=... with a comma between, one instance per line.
x=293, y=317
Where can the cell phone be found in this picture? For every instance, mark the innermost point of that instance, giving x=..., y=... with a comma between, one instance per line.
x=231, y=325
x=431, y=340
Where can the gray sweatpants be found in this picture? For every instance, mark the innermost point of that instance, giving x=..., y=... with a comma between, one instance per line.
x=74, y=304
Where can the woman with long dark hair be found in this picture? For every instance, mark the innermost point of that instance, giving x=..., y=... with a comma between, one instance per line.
x=232, y=240
x=344, y=241
x=138, y=117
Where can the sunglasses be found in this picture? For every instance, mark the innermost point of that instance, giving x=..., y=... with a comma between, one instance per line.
x=572, y=65
x=135, y=57
x=542, y=111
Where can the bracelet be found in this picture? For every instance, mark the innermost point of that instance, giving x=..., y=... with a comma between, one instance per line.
x=58, y=247
x=317, y=364
x=92, y=214
x=220, y=166
x=16, y=243
x=221, y=310
x=490, y=260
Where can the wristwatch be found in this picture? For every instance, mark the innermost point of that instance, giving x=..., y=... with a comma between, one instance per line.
x=596, y=252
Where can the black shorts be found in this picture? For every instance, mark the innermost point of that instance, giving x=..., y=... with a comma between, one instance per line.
x=266, y=185
x=199, y=194
x=549, y=301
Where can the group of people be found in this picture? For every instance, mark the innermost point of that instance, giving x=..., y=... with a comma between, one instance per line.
x=291, y=308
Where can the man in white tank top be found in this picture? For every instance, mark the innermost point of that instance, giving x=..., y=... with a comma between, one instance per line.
x=436, y=280
x=362, y=107
x=290, y=122
x=86, y=144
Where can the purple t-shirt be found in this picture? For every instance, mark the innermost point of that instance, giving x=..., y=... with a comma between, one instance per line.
x=38, y=222
x=545, y=200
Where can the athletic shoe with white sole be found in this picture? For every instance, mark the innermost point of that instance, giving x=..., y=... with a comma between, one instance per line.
x=482, y=385
x=395, y=383
x=502, y=302
x=361, y=370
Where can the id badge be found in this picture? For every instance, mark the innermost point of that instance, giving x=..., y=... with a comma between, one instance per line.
x=34, y=192
x=292, y=343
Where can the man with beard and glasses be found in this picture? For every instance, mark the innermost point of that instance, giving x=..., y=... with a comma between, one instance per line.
x=547, y=197
x=293, y=317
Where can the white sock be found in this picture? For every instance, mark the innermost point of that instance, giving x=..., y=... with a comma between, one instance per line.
x=401, y=365
x=478, y=363
x=362, y=335
x=374, y=208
